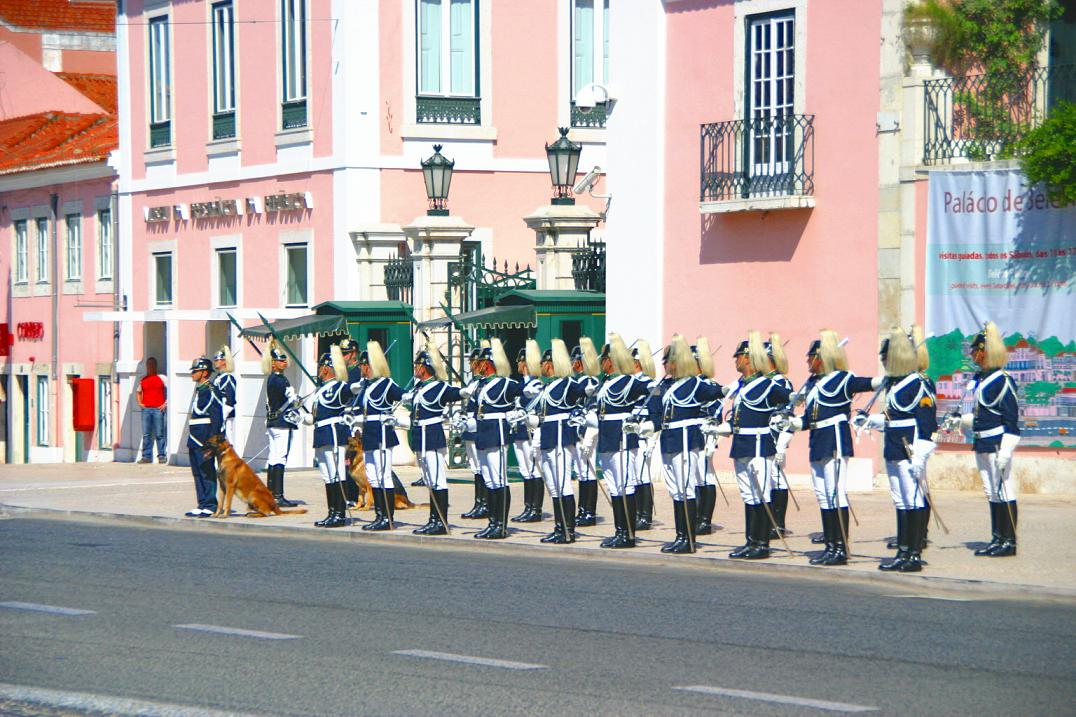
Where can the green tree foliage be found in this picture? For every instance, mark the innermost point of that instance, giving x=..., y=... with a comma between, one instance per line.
x=1048, y=154
x=1040, y=392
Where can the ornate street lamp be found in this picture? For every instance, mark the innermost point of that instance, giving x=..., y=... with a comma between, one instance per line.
x=563, y=156
x=437, y=171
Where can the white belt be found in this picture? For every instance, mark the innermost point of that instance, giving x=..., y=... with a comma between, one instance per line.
x=376, y=417
x=200, y=421
x=831, y=421
x=684, y=423
x=491, y=416
x=751, y=431
x=615, y=416
x=990, y=432
x=328, y=421
x=428, y=421
x=901, y=423
x=556, y=417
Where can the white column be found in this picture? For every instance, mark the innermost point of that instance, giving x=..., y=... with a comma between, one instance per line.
x=560, y=231
x=374, y=245
x=434, y=242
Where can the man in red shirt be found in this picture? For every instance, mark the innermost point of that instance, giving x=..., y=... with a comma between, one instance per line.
x=152, y=397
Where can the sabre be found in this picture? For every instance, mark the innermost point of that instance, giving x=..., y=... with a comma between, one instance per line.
x=758, y=492
x=790, y=491
x=710, y=440
x=924, y=488
x=837, y=502
x=1001, y=484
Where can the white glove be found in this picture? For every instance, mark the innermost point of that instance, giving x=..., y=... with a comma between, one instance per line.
x=533, y=421
x=724, y=429
x=308, y=419
x=531, y=390
x=516, y=416
x=408, y=397
x=466, y=391
x=470, y=424
x=876, y=422
x=876, y=382
x=401, y=421
x=967, y=420
x=783, y=439
x=779, y=460
x=389, y=422
x=591, y=419
x=356, y=388
x=646, y=429
x=590, y=388
x=795, y=423
x=779, y=422
x=709, y=429
x=1009, y=442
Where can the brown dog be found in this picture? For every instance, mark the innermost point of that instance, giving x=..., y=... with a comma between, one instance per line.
x=356, y=468
x=235, y=476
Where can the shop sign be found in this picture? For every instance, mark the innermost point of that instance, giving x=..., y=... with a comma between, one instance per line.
x=216, y=208
x=284, y=202
x=30, y=330
x=158, y=214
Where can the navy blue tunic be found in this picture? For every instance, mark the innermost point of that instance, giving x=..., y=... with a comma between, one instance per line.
x=617, y=398
x=207, y=415
x=757, y=398
x=472, y=407
x=521, y=432
x=377, y=399
x=555, y=404
x=428, y=407
x=995, y=408
x=829, y=403
x=224, y=383
x=686, y=403
x=330, y=402
x=279, y=396
x=495, y=398
x=910, y=414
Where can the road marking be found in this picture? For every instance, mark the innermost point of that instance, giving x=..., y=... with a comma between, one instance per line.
x=53, y=609
x=239, y=632
x=468, y=659
x=780, y=699
x=933, y=597
x=92, y=485
x=86, y=702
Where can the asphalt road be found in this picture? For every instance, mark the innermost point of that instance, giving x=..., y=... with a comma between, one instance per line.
x=350, y=628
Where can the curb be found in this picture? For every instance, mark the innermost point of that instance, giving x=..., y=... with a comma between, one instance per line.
x=987, y=589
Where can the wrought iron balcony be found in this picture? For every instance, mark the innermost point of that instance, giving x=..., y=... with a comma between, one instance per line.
x=160, y=134
x=588, y=268
x=594, y=118
x=293, y=114
x=760, y=158
x=448, y=110
x=399, y=279
x=224, y=125
x=981, y=117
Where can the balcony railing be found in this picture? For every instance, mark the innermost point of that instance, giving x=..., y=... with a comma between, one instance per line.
x=593, y=118
x=293, y=114
x=981, y=117
x=588, y=268
x=224, y=125
x=756, y=158
x=399, y=279
x=160, y=134
x=448, y=110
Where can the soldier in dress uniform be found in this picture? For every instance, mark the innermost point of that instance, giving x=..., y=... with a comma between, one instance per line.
x=640, y=455
x=996, y=433
x=682, y=443
x=909, y=423
x=827, y=406
x=224, y=383
x=330, y=403
x=757, y=398
x=706, y=479
x=349, y=349
x=557, y=440
x=207, y=419
x=280, y=400
x=528, y=364
x=377, y=398
x=586, y=368
x=617, y=397
x=775, y=350
x=480, y=509
x=495, y=397
x=430, y=401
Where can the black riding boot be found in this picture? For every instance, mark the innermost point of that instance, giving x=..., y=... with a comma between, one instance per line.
x=279, y=495
x=528, y=490
x=646, y=506
x=491, y=514
x=748, y=532
x=480, y=509
x=995, y=529
x=681, y=534
x=839, y=530
x=762, y=525
x=618, y=523
x=498, y=500
x=1007, y=522
x=390, y=508
x=330, y=505
x=588, y=503
x=827, y=536
x=779, y=507
x=903, y=546
x=633, y=513
x=380, y=522
x=685, y=543
x=822, y=538
x=351, y=493
x=917, y=539
x=339, y=507
x=537, y=501
x=707, y=499
x=559, y=535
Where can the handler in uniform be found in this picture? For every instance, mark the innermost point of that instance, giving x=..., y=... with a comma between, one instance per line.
x=528, y=364
x=207, y=419
x=429, y=402
x=330, y=434
x=994, y=421
x=586, y=369
x=224, y=383
x=280, y=398
x=378, y=396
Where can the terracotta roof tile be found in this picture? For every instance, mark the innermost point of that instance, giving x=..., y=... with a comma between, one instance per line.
x=77, y=15
x=53, y=139
x=99, y=88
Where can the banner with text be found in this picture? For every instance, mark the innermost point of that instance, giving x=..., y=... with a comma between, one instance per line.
x=1001, y=251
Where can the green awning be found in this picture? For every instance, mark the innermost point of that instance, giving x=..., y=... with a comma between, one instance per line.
x=311, y=325
x=493, y=317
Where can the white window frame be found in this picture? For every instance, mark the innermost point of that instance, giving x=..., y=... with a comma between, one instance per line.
x=294, y=85
x=41, y=233
x=288, y=248
x=155, y=283
x=73, y=247
x=445, y=59
x=105, y=244
x=41, y=394
x=22, y=251
x=769, y=83
x=219, y=284
x=104, y=412
x=599, y=61
x=159, y=50
x=223, y=57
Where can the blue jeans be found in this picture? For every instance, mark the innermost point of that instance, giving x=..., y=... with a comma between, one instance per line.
x=152, y=427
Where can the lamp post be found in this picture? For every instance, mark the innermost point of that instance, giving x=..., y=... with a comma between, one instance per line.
x=563, y=156
x=437, y=172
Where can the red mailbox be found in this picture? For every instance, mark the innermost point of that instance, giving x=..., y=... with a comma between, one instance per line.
x=84, y=414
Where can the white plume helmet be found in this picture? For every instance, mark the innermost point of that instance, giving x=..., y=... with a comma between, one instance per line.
x=705, y=356
x=591, y=365
x=777, y=353
x=440, y=370
x=922, y=355
x=267, y=358
x=756, y=352
x=623, y=363
x=500, y=359
x=533, y=355
x=379, y=365
x=997, y=355
x=682, y=360
x=562, y=361
x=831, y=352
x=900, y=359
x=339, y=365
x=646, y=358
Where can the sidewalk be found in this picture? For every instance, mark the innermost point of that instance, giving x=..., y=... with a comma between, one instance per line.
x=159, y=495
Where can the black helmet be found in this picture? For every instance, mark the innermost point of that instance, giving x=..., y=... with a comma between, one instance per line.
x=201, y=364
x=348, y=345
x=814, y=349
x=742, y=349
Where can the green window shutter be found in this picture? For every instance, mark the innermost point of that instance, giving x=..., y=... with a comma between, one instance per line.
x=583, y=45
x=429, y=32
x=462, y=47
